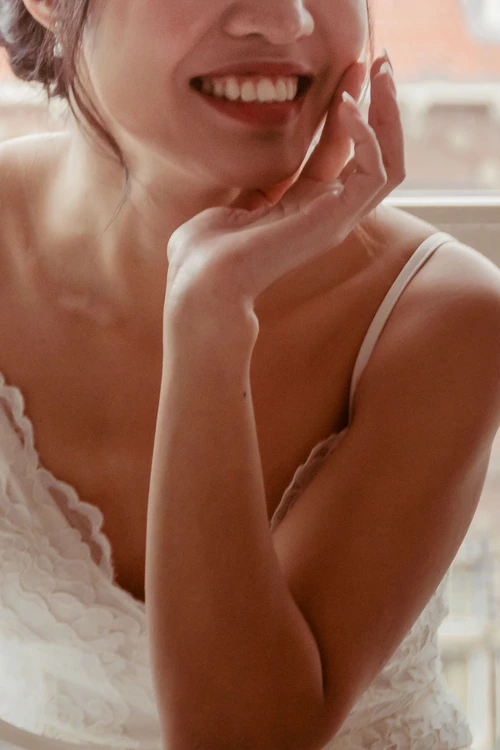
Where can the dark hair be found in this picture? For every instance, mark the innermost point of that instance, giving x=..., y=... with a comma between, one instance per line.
x=30, y=49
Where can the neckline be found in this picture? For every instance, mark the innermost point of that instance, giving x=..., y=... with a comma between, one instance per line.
x=92, y=512
x=73, y=501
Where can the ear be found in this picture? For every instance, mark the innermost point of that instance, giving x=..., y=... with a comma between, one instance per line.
x=42, y=11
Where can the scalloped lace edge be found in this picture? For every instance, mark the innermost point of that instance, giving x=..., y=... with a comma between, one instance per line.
x=16, y=402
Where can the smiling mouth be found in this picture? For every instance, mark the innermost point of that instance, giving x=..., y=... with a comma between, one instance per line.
x=304, y=84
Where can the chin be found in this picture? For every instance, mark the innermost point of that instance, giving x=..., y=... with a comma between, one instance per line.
x=266, y=176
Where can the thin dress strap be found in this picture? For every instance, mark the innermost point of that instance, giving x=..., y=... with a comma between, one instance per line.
x=417, y=260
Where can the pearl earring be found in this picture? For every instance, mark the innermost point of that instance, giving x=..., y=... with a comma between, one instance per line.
x=58, y=50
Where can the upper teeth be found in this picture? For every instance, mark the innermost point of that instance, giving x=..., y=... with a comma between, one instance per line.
x=252, y=89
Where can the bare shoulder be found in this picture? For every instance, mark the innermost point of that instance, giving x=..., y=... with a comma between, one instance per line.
x=25, y=167
x=458, y=281
x=462, y=271
x=455, y=275
x=24, y=159
x=426, y=411
x=450, y=307
x=449, y=313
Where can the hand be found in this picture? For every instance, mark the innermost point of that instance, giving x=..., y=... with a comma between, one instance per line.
x=242, y=249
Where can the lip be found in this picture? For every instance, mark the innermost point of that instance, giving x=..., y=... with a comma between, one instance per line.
x=257, y=114
x=261, y=67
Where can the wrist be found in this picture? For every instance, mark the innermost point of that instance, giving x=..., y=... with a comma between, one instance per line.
x=203, y=315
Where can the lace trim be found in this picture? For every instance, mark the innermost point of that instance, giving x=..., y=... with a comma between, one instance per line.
x=434, y=730
x=23, y=428
x=304, y=475
x=57, y=489
x=93, y=516
x=49, y=586
x=63, y=494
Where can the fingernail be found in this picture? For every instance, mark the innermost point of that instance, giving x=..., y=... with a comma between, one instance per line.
x=384, y=50
x=386, y=68
x=346, y=97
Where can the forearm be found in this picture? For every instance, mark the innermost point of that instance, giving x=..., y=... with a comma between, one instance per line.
x=232, y=656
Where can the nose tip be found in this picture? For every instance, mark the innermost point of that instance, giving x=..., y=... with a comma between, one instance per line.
x=280, y=23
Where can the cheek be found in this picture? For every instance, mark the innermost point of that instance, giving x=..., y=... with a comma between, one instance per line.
x=127, y=53
x=172, y=21
x=133, y=46
x=348, y=26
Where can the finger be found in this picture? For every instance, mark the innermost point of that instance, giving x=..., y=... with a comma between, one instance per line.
x=325, y=221
x=347, y=171
x=366, y=180
x=251, y=200
x=328, y=165
x=332, y=150
x=329, y=218
x=375, y=69
x=385, y=119
x=331, y=157
x=266, y=197
x=329, y=154
x=364, y=172
x=351, y=81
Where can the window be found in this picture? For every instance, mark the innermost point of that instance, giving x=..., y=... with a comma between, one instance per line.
x=456, y=674
x=484, y=18
x=461, y=593
x=446, y=58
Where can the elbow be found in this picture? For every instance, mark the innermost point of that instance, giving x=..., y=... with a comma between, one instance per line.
x=263, y=704
x=280, y=726
x=243, y=740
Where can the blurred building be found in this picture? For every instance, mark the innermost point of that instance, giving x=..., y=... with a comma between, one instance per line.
x=469, y=637
x=483, y=17
x=446, y=57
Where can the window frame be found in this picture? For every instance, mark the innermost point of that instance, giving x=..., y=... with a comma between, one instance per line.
x=473, y=219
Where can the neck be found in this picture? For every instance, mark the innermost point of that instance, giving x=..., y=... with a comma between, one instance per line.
x=128, y=246
x=116, y=262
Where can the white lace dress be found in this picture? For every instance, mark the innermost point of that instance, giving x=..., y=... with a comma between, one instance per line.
x=74, y=658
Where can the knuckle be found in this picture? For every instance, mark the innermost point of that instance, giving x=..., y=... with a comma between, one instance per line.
x=382, y=175
x=397, y=176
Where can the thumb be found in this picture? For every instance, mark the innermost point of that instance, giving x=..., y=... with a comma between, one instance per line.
x=252, y=199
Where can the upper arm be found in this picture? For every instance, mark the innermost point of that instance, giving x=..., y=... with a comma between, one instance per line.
x=369, y=540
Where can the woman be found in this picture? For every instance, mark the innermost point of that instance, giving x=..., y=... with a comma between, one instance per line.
x=172, y=353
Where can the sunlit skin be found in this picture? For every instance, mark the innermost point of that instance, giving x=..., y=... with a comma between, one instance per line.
x=184, y=157
x=173, y=428
x=95, y=284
